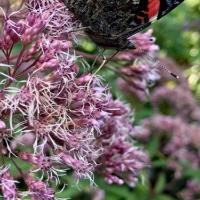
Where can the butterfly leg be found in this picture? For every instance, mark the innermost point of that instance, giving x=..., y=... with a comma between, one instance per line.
x=80, y=29
x=100, y=54
x=107, y=59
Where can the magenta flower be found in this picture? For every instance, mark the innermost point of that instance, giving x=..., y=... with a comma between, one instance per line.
x=138, y=78
x=141, y=69
x=120, y=162
x=191, y=191
x=188, y=108
x=182, y=146
x=39, y=190
x=54, y=116
x=7, y=184
x=145, y=45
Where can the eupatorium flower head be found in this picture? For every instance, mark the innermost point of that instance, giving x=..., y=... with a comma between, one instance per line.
x=187, y=108
x=39, y=190
x=54, y=116
x=181, y=145
x=7, y=184
x=138, y=77
x=144, y=43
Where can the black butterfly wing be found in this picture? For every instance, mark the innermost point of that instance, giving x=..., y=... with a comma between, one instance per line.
x=148, y=11
x=166, y=6
x=111, y=22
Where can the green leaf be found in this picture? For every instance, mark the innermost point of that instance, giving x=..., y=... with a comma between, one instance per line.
x=161, y=182
x=163, y=197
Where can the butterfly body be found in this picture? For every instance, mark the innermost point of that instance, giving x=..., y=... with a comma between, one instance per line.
x=111, y=22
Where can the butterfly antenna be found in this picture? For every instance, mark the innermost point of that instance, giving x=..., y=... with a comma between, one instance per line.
x=163, y=67
x=168, y=71
x=100, y=54
x=112, y=56
x=79, y=29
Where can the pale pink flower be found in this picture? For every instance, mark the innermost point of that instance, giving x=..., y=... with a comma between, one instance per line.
x=7, y=184
x=138, y=77
x=145, y=45
x=187, y=108
x=181, y=144
x=120, y=161
x=191, y=191
x=65, y=117
x=39, y=190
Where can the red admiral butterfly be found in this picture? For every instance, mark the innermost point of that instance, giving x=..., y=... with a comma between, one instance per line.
x=111, y=22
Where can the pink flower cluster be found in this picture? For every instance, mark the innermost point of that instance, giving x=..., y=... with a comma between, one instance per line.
x=178, y=133
x=7, y=184
x=139, y=77
x=180, y=100
x=52, y=116
x=192, y=190
x=182, y=144
x=121, y=161
x=141, y=70
x=144, y=45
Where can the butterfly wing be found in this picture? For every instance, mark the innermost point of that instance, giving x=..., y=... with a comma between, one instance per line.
x=148, y=11
x=111, y=22
x=166, y=6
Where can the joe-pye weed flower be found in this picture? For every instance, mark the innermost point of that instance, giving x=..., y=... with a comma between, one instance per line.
x=52, y=116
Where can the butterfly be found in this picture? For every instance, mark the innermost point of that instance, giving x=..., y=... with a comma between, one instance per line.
x=109, y=23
